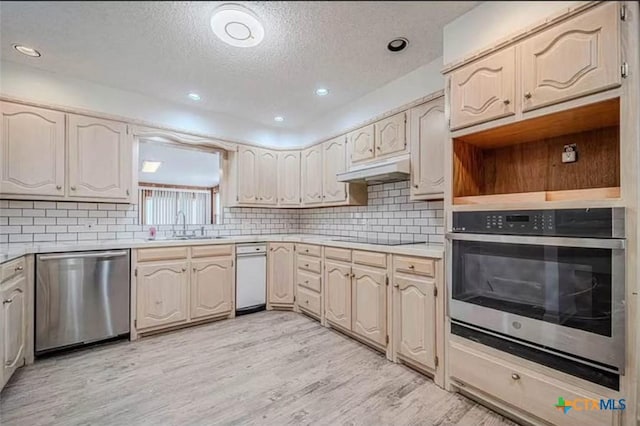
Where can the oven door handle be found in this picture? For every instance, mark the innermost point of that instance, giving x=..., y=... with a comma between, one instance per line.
x=604, y=243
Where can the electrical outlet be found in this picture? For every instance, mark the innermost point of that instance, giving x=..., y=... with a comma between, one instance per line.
x=570, y=153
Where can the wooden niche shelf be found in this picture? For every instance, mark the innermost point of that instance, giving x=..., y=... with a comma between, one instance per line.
x=522, y=162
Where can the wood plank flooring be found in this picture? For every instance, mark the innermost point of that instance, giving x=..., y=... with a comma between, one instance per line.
x=269, y=368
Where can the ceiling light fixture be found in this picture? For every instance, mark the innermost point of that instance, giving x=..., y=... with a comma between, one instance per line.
x=150, y=166
x=398, y=44
x=322, y=92
x=278, y=118
x=194, y=96
x=25, y=50
x=236, y=25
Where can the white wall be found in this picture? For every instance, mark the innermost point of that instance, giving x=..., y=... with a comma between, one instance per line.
x=491, y=21
x=416, y=84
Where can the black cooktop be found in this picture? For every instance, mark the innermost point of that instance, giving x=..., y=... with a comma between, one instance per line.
x=372, y=241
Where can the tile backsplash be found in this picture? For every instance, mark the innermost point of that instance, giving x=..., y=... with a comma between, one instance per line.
x=389, y=215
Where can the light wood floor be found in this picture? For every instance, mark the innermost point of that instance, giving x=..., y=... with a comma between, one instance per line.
x=269, y=368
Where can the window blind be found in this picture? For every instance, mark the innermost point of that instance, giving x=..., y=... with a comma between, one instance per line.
x=160, y=206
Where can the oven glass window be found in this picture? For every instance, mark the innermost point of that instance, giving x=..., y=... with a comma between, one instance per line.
x=568, y=286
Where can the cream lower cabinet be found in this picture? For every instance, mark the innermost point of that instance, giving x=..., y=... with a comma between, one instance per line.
x=13, y=326
x=163, y=290
x=211, y=289
x=369, y=304
x=309, y=288
x=338, y=293
x=280, y=275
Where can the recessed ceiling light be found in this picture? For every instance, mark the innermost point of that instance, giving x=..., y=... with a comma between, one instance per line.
x=397, y=44
x=278, y=118
x=236, y=25
x=194, y=96
x=322, y=92
x=25, y=50
x=151, y=166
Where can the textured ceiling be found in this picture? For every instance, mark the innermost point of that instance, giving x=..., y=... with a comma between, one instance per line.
x=167, y=49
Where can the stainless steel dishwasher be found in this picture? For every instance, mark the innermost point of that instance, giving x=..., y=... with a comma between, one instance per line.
x=81, y=297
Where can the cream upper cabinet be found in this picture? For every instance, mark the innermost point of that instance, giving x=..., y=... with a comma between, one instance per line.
x=369, y=304
x=100, y=156
x=211, y=287
x=280, y=278
x=483, y=90
x=334, y=161
x=267, y=177
x=32, y=151
x=572, y=59
x=312, y=175
x=13, y=327
x=415, y=303
x=428, y=133
x=361, y=142
x=338, y=294
x=162, y=291
x=289, y=178
x=390, y=135
x=247, y=179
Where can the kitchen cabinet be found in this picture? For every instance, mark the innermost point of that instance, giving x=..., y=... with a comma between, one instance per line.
x=247, y=174
x=369, y=304
x=211, y=287
x=428, y=135
x=162, y=293
x=390, y=135
x=333, y=162
x=575, y=58
x=361, y=142
x=267, y=177
x=312, y=175
x=289, y=178
x=100, y=157
x=13, y=326
x=32, y=151
x=280, y=275
x=338, y=294
x=309, y=291
x=483, y=90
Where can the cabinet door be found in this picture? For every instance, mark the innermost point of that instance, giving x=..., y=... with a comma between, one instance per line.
x=247, y=174
x=416, y=328
x=483, y=90
x=289, y=178
x=211, y=287
x=312, y=175
x=100, y=156
x=162, y=294
x=428, y=133
x=390, y=137
x=361, y=143
x=281, y=273
x=31, y=151
x=334, y=162
x=575, y=58
x=338, y=294
x=369, y=304
x=13, y=327
x=268, y=177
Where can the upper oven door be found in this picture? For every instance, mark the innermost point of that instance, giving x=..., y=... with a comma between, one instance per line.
x=565, y=293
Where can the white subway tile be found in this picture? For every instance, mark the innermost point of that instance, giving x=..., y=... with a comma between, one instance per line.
x=20, y=204
x=20, y=238
x=20, y=221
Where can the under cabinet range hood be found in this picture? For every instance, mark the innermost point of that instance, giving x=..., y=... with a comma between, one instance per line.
x=393, y=170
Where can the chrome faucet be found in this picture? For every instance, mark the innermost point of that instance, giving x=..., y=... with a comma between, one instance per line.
x=184, y=224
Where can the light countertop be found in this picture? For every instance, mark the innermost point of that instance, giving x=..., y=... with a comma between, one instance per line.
x=12, y=251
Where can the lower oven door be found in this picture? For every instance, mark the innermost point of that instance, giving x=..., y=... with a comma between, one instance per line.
x=565, y=294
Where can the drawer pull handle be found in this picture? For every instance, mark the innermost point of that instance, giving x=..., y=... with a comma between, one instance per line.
x=412, y=267
x=306, y=301
x=306, y=250
x=515, y=376
x=58, y=187
x=347, y=275
x=306, y=265
x=73, y=188
x=528, y=95
x=184, y=269
x=19, y=268
x=4, y=302
x=306, y=281
x=506, y=101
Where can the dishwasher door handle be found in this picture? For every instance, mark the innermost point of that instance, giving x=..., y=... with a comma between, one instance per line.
x=84, y=255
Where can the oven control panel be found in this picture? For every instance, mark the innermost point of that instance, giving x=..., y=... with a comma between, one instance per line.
x=597, y=223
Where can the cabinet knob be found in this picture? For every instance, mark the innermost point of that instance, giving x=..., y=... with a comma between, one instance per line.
x=506, y=102
x=515, y=376
x=194, y=269
x=4, y=302
x=306, y=301
x=306, y=250
x=415, y=186
x=306, y=265
x=127, y=192
x=528, y=95
x=378, y=148
x=347, y=275
x=370, y=150
x=411, y=267
x=396, y=285
x=184, y=269
x=73, y=188
x=19, y=268
x=58, y=187
x=306, y=281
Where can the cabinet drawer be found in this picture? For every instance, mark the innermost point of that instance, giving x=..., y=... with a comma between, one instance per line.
x=309, y=250
x=414, y=265
x=309, y=264
x=309, y=280
x=162, y=253
x=370, y=258
x=210, y=251
x=12, y=269
x=529, y=391
x=308, y=300
x=337, y=253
